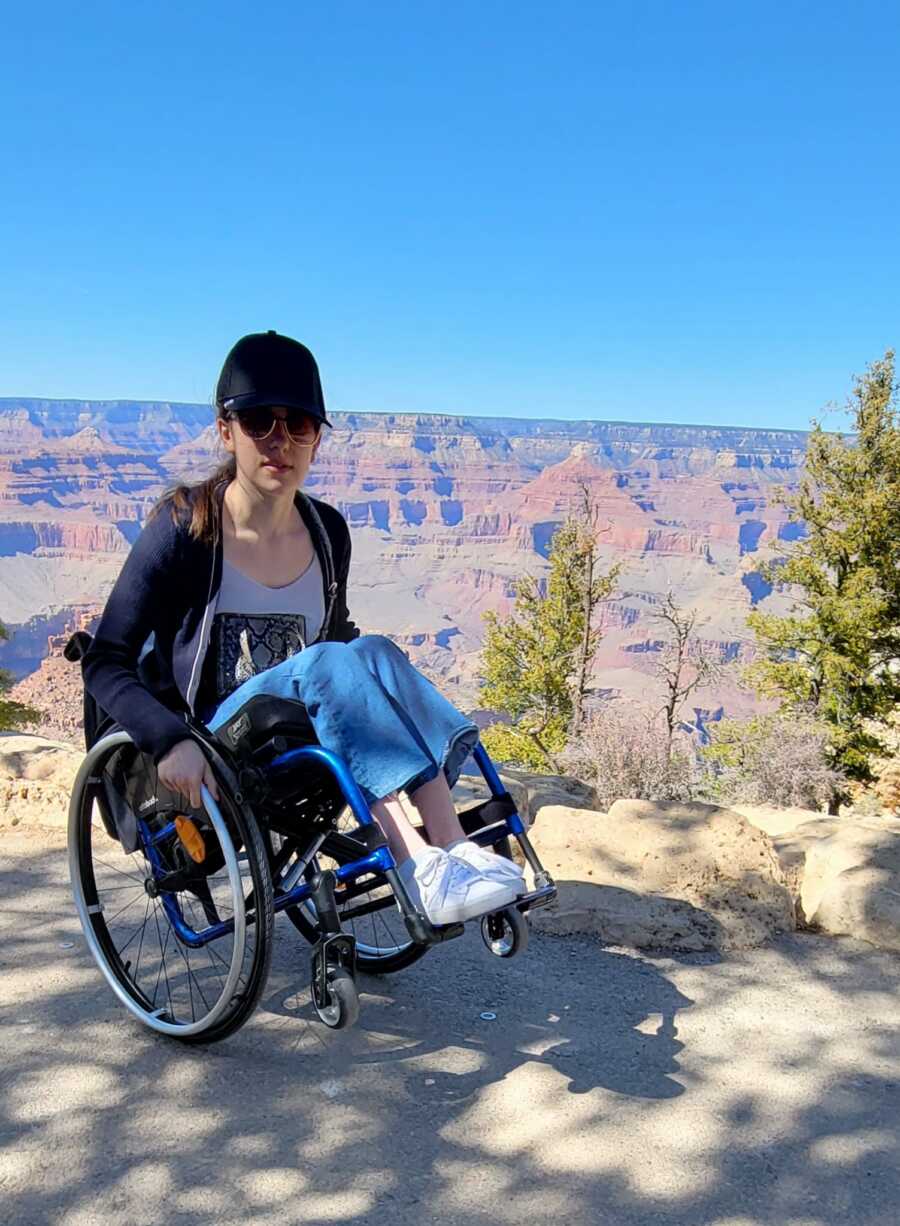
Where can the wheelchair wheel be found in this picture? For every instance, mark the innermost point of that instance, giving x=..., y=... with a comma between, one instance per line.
x=341, y=1009
x=383, y=943
x=183, y=938
x=505, y=933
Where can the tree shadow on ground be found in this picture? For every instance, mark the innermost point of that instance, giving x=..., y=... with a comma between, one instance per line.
x=609, y=1088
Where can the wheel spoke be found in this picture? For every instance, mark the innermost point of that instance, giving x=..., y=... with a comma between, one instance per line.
x=192, y=979
x=120, y=871
x=140, y=928
x=207, y=949
x=137, y=969
x=130, y=903
x=162, y=955
x=165, y=967
x=210, y=992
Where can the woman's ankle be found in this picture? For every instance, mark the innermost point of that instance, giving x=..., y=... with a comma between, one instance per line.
x=434, y=804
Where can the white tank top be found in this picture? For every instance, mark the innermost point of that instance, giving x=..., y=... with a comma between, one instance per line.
x=256, y=626
x=241, y=594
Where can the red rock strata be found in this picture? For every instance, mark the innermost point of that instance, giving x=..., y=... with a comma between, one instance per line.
x=446, y=513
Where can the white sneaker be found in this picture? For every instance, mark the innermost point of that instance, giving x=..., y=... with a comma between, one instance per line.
x=490, y=865
x=449, y=891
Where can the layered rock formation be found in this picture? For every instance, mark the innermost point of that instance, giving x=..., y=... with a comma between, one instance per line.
x=446, y=513
x=54, y=686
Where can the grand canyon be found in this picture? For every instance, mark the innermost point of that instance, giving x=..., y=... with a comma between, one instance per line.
x=445, y=513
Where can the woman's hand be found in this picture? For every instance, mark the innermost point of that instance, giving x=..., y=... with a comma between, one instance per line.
x=184, y=768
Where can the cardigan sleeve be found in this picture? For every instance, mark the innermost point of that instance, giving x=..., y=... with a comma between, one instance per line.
x=140, y=596
x=344, y=629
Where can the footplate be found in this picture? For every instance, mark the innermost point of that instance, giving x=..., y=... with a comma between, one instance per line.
x=540, y=897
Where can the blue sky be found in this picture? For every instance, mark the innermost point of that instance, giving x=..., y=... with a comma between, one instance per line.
x=680, y=212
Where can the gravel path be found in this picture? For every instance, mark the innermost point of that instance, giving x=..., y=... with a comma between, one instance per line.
x=612, y=1087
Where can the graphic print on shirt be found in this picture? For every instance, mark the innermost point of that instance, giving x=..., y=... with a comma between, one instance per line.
x=248, y=643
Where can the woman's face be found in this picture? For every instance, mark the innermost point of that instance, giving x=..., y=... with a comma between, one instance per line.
x=274, y=463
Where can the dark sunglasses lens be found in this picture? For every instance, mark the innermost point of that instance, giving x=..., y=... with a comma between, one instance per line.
x=300, y=426
x=256, y=422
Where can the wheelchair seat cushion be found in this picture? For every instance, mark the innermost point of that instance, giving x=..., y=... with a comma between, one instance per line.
x=262, y=717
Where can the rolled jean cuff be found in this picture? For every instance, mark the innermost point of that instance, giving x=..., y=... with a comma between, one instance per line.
x=458, y=748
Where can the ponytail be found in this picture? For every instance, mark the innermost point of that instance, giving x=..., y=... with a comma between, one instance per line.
x=197, y=500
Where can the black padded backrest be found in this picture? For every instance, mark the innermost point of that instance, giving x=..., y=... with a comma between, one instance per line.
x=96, y=721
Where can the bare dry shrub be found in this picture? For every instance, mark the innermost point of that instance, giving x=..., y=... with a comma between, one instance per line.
x=771, y=759
x=623, y=753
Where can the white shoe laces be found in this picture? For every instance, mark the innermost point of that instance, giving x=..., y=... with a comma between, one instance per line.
x=455, y=873
x=475, y=856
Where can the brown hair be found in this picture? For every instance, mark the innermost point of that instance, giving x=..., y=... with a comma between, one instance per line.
x=198, y=499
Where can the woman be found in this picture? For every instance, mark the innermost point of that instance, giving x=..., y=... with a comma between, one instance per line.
x=238, y=585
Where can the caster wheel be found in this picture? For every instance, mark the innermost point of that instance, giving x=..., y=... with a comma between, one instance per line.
x=342, y=1007
x=505, y=933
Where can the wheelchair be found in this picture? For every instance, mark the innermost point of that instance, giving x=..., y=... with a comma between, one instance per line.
x=178, y=904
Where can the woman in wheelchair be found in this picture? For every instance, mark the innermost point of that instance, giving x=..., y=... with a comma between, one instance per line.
x=233, y=598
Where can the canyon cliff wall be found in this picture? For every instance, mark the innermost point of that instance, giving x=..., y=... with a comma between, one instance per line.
x=445, y=513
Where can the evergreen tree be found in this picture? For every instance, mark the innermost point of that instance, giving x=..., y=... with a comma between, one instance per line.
x=13, y=715
x=837, y=655
x=535, y=663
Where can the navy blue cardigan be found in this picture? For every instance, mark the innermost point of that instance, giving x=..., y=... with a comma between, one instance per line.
x=145, y=664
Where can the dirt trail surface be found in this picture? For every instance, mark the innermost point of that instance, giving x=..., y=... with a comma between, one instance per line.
x=611, y=1088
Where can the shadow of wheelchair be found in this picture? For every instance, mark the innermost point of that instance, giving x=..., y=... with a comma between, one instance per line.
x=610, y=1023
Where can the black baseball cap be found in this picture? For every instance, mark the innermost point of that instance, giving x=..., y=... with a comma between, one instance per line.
x=266, y=368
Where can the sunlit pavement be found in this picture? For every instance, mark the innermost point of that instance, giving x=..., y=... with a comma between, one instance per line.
x=607, y=1087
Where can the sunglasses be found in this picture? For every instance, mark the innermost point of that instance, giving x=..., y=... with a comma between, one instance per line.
x=259, y=422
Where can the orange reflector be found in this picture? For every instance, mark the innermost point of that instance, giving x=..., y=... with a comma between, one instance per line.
x=191, y=839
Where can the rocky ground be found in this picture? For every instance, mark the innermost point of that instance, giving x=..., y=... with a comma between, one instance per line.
x=691, y=877
x=55, y=689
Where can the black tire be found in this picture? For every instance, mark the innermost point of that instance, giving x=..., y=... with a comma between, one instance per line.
x=341, y=1010
x=195, y=1003
x=505, y=933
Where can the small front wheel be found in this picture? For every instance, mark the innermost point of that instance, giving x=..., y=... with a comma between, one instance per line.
x=341, y=1009
x=505, y=933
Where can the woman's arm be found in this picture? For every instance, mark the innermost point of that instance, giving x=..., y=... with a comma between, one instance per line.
x=142, y=596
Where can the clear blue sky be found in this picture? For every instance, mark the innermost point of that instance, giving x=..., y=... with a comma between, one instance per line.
x=645, y=211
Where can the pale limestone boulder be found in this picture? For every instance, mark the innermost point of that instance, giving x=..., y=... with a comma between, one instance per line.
x=776, y=822
x=36, y=778
x=470, y=790
x=673, y=876
x=792, y=847
x=851, y=881
x=793, y=832
x=844, y=872
x=550, y=790
x=529, y=791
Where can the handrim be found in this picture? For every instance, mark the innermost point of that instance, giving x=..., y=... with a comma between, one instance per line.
x=82, y=830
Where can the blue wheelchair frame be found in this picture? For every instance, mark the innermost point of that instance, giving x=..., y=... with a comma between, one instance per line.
x=378, y=860
x=266, y=798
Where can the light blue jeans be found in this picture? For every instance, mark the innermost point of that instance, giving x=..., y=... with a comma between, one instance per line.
x=370, y=705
